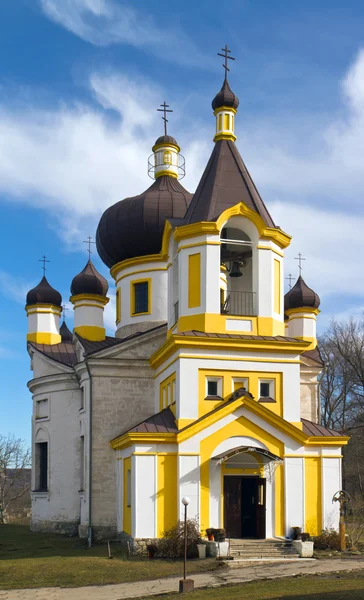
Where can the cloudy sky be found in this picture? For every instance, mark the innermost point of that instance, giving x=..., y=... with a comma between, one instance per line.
x=80, y=81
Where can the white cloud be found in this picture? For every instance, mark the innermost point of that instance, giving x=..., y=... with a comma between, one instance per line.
x=15, y=288
x=107, y=22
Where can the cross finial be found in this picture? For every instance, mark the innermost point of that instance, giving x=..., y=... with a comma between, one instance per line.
x=44, y=261
x=290, y=278
x=300, y=259
x=89, y=242
x=64, y=308
x=227, y=57
x=164, y=110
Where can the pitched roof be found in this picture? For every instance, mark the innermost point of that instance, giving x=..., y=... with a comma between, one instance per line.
x=236, y=336
x=109, y=342
x=162, y=422
x=63, y=353
x=313, y=429
x=225, y=182
x=314, y=355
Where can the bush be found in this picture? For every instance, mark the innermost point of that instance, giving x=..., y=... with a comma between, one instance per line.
x=172, y=544
x=328, y=539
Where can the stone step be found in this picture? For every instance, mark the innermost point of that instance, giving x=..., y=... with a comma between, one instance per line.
x=257, y=554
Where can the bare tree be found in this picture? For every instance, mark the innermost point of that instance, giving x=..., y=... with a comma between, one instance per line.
x=15, y=459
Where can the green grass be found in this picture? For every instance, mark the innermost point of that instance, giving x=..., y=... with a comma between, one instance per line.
x=29, y=560
x=342, y=586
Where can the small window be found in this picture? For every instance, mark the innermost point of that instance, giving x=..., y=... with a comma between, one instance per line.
x=128, y=488
x=41, y=409
x=118, y=306
x=41, y=462
x=213, y=387
x=266, y=391
x=141, y=297
x=167, y=157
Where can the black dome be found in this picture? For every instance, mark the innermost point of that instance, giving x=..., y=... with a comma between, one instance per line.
x=89, y=281
x=65, y=333
x=43, y=293
x=300, y=296
x=134, y=226
x=225, y=97
x=166, y=139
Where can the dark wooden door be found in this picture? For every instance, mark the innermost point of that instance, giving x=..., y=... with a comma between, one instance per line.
x=261, y=508
x=249, y=505
x=232, y=506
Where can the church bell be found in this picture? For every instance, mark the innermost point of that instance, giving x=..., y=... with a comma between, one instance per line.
x=235, y=269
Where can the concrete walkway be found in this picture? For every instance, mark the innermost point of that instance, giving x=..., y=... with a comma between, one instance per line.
x=143, y=589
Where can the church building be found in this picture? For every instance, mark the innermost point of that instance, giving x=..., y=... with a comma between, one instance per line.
x=209, y=388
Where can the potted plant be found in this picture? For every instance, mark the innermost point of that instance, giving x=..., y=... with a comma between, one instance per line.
x=210, y=534
x=201, y=549
x=152, y=550
x=305, y=536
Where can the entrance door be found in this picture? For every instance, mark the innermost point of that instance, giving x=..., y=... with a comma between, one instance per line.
x=244, y=507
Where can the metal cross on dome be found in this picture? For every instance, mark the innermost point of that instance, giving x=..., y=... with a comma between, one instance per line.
x=290, y=279
x=300, y=259
x=89, y=242
x=44, y=261
x=165, y=110
x=227, y=57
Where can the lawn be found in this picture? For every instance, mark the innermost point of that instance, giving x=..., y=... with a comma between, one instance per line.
x=334, y=586
x=42, y=560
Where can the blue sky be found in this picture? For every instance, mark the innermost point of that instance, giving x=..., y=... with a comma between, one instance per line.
x=80, y=81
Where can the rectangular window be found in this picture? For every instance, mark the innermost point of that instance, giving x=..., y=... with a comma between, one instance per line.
x=141, y=297
x=240, y=383
x=82, y=462
x=118, y=306
x=128, y=488
x=266, y=389
x=41, y=409
x=41, y=457
x=167, y=391
x=226, y=122
x=213, y=387
x=194, y=280
x=220, y=122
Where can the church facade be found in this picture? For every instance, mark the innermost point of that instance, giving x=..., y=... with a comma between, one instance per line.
x=209, y=388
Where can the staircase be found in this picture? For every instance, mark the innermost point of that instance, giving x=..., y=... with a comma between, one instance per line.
x=262, y=549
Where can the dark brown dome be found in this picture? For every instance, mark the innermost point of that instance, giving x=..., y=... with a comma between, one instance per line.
x=301, y=296
x=65, y=333
x=166, y=139
x=89, y=281
x=134, y=226
x=225, y=97
x=43, y=293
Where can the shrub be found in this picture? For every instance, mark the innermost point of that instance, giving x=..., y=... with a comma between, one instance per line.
x=329, y=538
x=172, y=544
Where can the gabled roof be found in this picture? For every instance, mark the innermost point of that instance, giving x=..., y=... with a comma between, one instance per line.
x=238, y=336
x=314, y=355
x=63, y=353
x=109, y=342
x=225, y=182
x=162, y=422
x=313, y=429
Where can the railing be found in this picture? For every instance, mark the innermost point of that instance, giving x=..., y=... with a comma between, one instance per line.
x=239, y=304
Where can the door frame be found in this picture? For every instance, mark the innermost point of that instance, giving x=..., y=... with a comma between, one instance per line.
x=261, y=509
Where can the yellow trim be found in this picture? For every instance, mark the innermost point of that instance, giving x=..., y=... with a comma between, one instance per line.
x=224, y=136
x=139, y=272
x=165, y=145
x=195, y=229
x=97, y=299
x=127, y=509
x=216, y=323
x=92, y=304
x=132, y=296
x=224, y=109
x=168, y=173
x=44, y=338
x=271, y=249
x=197, y=244
x=277, y=286
x=175, y=342
x=91, y=332
x=313, y=495
x=194, y=280
x=118, y=305
x=303, y=317
x=181, y=423
x=166, y=492
x=127, y=439
x=33, y=309
x=304, y=309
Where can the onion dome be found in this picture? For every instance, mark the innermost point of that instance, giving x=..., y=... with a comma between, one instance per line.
x=43, y=293
x=89, y=281
x=166, y=139
x=301, y=296
x=134, y=226
x=225, y=97
x=65, y=333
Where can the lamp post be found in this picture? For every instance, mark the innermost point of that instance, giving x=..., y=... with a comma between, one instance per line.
x=185, y=585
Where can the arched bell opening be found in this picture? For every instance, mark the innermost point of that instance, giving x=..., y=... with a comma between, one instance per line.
x=237, y=289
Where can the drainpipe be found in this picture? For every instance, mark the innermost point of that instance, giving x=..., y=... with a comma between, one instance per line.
x=89, y=531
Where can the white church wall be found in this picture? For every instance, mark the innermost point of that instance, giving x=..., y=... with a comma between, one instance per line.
x=189, y=485
x=294, y=493
x=145, y=496
x=331, y=483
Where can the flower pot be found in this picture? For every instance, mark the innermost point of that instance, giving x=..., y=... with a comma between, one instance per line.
x=210, y=537
x=201, y=548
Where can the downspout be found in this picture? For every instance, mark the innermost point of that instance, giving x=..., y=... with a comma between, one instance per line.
x=89, y=530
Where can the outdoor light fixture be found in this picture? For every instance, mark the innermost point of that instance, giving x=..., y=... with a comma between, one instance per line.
x=185, y=585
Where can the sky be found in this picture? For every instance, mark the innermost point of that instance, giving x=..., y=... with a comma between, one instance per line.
x=80, y=82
